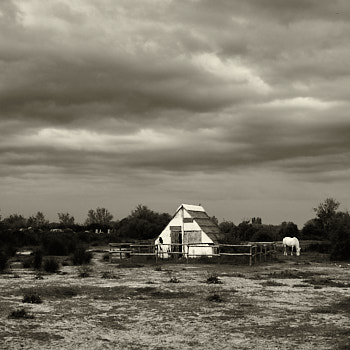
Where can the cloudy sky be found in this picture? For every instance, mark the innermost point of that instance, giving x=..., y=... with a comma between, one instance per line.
x=242, y=106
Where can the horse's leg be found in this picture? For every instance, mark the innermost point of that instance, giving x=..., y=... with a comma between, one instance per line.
x=291, y=251
x=285, y=249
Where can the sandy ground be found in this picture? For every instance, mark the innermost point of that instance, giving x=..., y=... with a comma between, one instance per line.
x=292, y=303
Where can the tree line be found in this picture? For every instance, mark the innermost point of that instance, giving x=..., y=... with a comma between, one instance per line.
x=329, y=224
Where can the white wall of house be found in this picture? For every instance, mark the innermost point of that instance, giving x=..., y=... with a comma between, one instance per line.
x=186, y=228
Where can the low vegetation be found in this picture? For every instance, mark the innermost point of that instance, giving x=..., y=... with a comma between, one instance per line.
x=215, y=297
x=290, y=274
x=81, y=256
x=20, y=314
x=272, y=283
x=57, y=292
x=51, y=265
x=213, y=279
x=32, y=298
x=84, y=271
x=174, y=279
x=326, y=282
x=37, y=259
x=340, y=307
x=109, y=275
x=3, y=261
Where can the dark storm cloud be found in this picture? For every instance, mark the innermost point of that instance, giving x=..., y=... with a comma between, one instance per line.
x=169, y=88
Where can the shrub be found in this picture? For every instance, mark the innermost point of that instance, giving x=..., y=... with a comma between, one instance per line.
x=84, y=271
x=51, y=265
x=27, y=263
x=59, y=243
x=38, y=276
x=213, y=279
x=20, y=313
x=324, y=247
x=109, y=275
x=81, y=256
x=32, y=298
x=215, y=297
x=105, y=257
x=173, y=279
x=272, y=284
x=37, y=260
x=3, y=261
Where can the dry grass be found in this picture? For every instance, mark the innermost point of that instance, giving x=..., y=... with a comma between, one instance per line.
x=142, y=310
x=20, y=314
x=272, y=283
x=291, y=274
x=340, y=307
x=56, y=292
x=215, y=298
x=325, y=282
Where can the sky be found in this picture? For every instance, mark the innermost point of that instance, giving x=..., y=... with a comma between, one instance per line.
x=241, y=106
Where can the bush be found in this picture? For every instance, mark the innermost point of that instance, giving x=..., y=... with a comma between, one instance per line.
x=81, y=256
x=105, y=257
x=27, y=263
x=51, y=265
x=109, y=275
x=215, y=298
x=213, y=279
x=37, y=260
x=341, y=250
x=20, y=313
x=32, y=298
x=84, y=271
x=59, y=243
x=3, y=261
x=173, y=279
x=323, y=248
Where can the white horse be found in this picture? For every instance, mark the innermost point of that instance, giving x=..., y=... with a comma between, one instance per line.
x=291, y=242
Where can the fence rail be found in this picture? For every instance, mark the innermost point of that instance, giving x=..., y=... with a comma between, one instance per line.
x=253, y=250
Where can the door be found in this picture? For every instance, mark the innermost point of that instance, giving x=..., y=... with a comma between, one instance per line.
x=176, y=239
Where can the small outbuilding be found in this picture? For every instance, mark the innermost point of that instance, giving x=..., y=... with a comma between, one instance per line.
x=190, y=233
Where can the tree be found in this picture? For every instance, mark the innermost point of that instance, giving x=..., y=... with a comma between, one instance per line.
x=227, y=227
x=214, y=219
x=264, y=233
x=245, y=230
x=326, y=213
x=256, y=221
x=340, y=237
x=15, y=221
x=142, y=212
x=100, y=216
x=143, y=223
x=335, y=225
x=38, y=221
x=66, y=219
x=312, y=229
x=288, y=229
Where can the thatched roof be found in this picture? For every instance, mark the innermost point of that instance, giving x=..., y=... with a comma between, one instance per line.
x=203, y=220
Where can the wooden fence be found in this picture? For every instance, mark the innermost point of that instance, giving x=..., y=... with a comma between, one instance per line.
x=253, y=250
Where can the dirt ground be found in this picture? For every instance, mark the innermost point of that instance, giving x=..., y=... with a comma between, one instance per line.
x=291, y=303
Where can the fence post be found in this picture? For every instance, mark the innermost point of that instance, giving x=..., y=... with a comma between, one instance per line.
x=261, y=251
x=250, y=256
x=255, y=253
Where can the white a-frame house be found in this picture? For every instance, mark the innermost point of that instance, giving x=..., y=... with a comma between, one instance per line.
x=190, y=231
